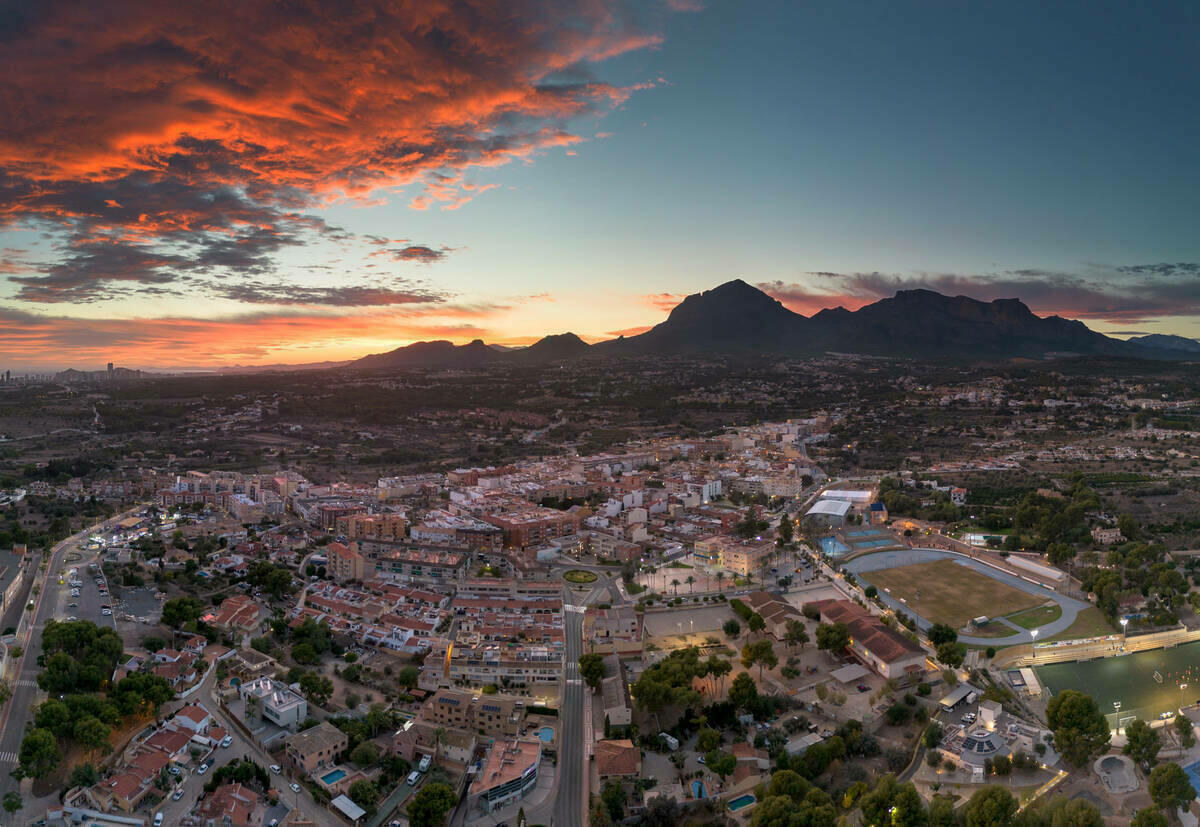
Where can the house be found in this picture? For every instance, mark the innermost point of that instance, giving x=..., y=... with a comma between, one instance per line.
x=883, y=649
x=617, y=760
x=494, y=715
x=249, y=663
x=230, y=805
x=177, y=674
x=268, y=700
x=192, y=718
x=315, y=748
x=1107, y=536
x=238, y=613
x=170, y=743
x=775, y=611
x=511, y=770
x=958, y=496
x=614, y=690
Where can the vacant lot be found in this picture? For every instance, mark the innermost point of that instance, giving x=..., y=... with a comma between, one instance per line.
x=942, y=591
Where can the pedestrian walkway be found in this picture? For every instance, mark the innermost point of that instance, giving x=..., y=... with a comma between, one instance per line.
x=8, y=758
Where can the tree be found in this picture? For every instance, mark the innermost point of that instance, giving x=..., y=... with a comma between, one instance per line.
x=932, y=736
x=732, y=628
x=756, y=623
x=408, y=677
x=708, y=740
x=833, y=637
x=760, y=652
x=743, y=692
x=365, y=754
x=691, y=580
x=364, y=793
x=1142, y=743
x=1127, y=526
x=153, y=644
x=92, y=733
x=1076, y=812
x=786, y=530
x=181, y=610
x=675, y=585
x=429, y=806
x=613, y=799
x=591, y=669
x=1148, y=817
x=318, y=689
x=1080, y=730
x=39, y=753
x=940, y=633
x=795, y=633
x=12, y=802
x=83, y=775
x=721, y=762
x=1183, y=728
x=952, y=654
x=1170, y=787
x=305, y=653
x=990, y=807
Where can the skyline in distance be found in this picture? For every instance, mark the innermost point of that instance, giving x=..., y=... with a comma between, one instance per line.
x=184, y=189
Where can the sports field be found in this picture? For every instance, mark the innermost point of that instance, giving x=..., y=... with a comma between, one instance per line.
x=942, y=591
x=1130, y=680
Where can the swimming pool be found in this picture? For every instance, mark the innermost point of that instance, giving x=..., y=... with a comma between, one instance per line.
x=546, y=733
x=740, y=802
x=833, y=547
x=697, y=789
x=1193, y=773
x=333, y=776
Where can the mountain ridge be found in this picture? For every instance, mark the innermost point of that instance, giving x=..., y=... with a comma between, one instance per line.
x=737, y=318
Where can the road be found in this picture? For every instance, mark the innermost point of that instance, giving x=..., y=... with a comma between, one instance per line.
x=52, y=602
x=570, y=802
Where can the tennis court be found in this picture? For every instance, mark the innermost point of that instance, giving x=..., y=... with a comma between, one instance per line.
x=1130, y=680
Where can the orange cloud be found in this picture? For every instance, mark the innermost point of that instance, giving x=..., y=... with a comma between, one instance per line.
x=664, y=301
x=193, y=142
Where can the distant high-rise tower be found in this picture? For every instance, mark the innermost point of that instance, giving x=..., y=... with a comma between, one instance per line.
x=110, y=371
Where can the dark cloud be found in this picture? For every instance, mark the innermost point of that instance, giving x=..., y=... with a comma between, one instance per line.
x=1110, y=293
x=352, y=296
x=199, y=140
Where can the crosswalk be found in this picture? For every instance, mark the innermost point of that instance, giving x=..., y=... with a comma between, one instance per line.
x=8, y=758
x=28, y=683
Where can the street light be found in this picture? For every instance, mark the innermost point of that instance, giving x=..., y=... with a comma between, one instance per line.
x=1124, y=631
x=1033, y=642
x=1182, y=687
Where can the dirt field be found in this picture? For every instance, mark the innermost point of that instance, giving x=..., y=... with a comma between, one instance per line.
x=950, y=593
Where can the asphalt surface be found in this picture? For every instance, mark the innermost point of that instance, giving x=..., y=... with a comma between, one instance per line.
x=568, y=804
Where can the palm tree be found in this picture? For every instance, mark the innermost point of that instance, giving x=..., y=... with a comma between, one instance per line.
x=439, y=738
x=690, y=581
x=720, y=577
x=675, y=584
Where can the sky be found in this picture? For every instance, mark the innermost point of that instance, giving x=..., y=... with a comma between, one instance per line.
x=189, y=185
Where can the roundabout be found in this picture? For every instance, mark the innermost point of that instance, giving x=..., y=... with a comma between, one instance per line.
x=579, y=576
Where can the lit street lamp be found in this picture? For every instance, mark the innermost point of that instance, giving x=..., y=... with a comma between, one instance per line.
x=1124, y=631
x=1182, y=687
x=1033, y=642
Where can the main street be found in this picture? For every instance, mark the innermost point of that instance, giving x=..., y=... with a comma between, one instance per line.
x=52, y=602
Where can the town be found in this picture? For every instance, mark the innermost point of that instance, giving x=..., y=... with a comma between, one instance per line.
x=715, y=626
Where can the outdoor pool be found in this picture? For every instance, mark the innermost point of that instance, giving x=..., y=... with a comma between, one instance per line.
x=697, y=789
x=546, y=733
x=740, y=802
x=1193, y=773
x=833, y=547
x=333, y=776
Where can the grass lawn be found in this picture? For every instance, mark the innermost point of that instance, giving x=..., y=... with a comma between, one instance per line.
x=1091, y=622
x=580, y=576
x=993, y=629
x=943, y=591
x=1037, y=617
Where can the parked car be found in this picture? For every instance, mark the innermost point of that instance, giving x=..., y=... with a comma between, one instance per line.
x=178, y=794
x=203, y=769
x=227, y=740
x=275, y=769
x=413, y=778
x=158, y=819
x=174, y=770
x=423, y=766
x=700, y=759
x=295, y=787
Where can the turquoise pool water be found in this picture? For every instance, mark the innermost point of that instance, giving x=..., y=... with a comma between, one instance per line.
x=833, y=547
x=697, y=789
x=740, y=802
x=546, y=733
x=333, y=776
x=1193, y=773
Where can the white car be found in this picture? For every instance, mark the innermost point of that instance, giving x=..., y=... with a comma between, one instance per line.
x=106, y=612
x=203, y=769
x=227, y=740
x=275, y=768
x=178, y=794
x=295, y=787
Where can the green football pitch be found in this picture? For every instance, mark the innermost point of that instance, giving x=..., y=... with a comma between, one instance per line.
x=1131, y=680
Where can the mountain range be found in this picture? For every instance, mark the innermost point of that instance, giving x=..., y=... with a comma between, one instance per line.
x=737, y=318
